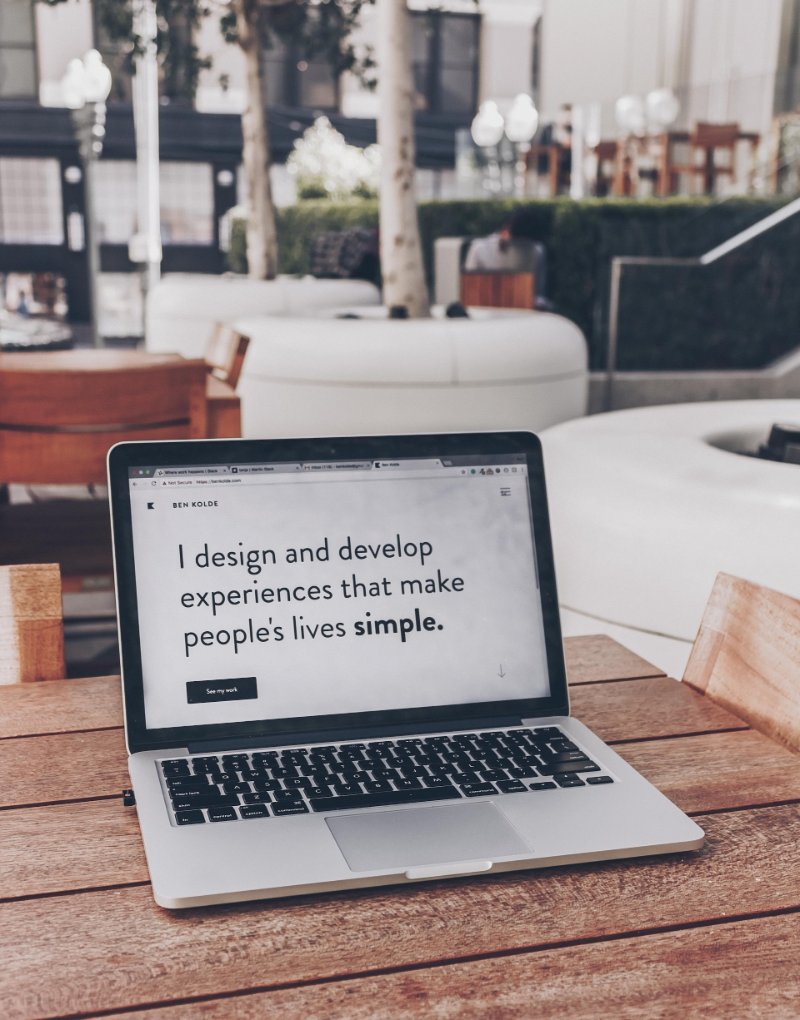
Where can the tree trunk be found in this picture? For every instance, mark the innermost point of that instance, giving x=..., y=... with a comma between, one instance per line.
x=401, y=251
x=262, y=241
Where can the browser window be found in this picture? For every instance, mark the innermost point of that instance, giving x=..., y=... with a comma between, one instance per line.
x=278, y=590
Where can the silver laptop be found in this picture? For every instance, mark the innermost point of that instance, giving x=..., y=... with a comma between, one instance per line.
x=342, y=667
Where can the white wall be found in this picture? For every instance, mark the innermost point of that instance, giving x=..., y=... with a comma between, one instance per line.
x=62, y=32
x=719, y=56
x=227, y=60
x=733, y=57
x=594, y=51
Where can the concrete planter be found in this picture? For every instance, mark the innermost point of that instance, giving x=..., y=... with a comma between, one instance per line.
x=495, y=370
x=183, y=307
x=648, y=505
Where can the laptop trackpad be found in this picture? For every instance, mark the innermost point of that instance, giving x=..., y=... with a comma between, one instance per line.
x=373, y=840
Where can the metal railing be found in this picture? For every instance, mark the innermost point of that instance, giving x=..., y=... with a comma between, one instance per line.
x=619, y=262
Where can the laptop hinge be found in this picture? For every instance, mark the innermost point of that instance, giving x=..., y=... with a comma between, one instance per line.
x=356, y=733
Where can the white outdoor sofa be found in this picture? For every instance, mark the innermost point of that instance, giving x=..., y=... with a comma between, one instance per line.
x=183, y=307
x=647, y=505
x=335, y=376
x=308, y=371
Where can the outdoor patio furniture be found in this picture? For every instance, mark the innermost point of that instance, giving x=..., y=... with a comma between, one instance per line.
x=365, y=373
x=746, y=656
x=22, y=333
x=183, y=308
x=710, y=153
x=497, y=289
x=31, y=625
x=648, y=505
x=521, y=285
x=225, y=353
x=714, y=931
x=60, y=414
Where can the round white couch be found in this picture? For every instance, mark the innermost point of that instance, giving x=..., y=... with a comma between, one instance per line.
x=646, y=510
x=336, y=376
x=182, y=308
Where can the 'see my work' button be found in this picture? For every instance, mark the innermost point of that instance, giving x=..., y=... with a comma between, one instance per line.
x=239, y=688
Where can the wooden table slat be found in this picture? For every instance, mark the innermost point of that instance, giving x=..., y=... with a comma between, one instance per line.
x=116, y=949
x=60, y=706
x=597, y=658
x=96, y=703
x=646, y=709
x=713, y=932
x=724, y=770
x=628, y=979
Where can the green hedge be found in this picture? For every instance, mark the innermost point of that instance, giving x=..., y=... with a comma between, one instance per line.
x=739, y=313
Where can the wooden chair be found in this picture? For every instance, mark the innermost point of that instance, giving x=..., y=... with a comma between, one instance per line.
x=225, y=353
x=706, y=143
x=498, y=289
x=746, y=656
x=59, y=414
x=31, y=625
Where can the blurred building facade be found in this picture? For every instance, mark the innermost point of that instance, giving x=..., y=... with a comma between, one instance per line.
x=725, y=60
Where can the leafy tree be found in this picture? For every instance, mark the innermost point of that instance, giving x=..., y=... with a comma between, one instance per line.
x=321, y=28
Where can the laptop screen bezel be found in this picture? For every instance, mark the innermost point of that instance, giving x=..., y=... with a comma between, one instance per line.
x=127, y=456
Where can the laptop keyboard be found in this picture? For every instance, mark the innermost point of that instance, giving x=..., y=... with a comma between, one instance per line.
x=338, y=777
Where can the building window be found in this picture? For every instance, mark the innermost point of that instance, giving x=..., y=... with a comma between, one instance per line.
x=445, y=51
x=294, y=78
x=187, y=202
x=177, y=75
x=17, y=50
x=30, y=201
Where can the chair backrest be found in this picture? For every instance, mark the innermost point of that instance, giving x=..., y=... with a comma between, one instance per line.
x=717, y=135
x=31, y=625
x=225, y=353
x=60, y=412
x=746, y=656
x=498, y=289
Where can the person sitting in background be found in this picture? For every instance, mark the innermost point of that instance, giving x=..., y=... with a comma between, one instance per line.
x=511, y=249
x=499, y=251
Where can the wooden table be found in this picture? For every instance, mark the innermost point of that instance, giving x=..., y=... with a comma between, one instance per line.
x=224, y=406
x=714, y=933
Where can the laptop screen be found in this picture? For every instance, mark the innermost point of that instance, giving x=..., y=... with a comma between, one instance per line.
x=275, y=590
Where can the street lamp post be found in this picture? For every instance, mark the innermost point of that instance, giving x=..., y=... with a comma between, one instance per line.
x=487, y=131
x=85, y=88
x=522, y=121
x=519, y=126
x=145, y=245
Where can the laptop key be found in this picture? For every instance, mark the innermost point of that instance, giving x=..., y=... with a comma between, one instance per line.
x=189, y=783
x=542, y=786
x=568, y=779
x=182, y=803
x=267, y=785
x=189, y=817
x=512, y=786
x=598, y=780
x=222, y=814
x=575, y=755
x=560, y=767
x=254, y=811
x=236, y=787
x=372, y=786
x=346, y=789
x=290, y=807
x=257, y=798
x=382, y=799
x=282, y=796
x=478, y=790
